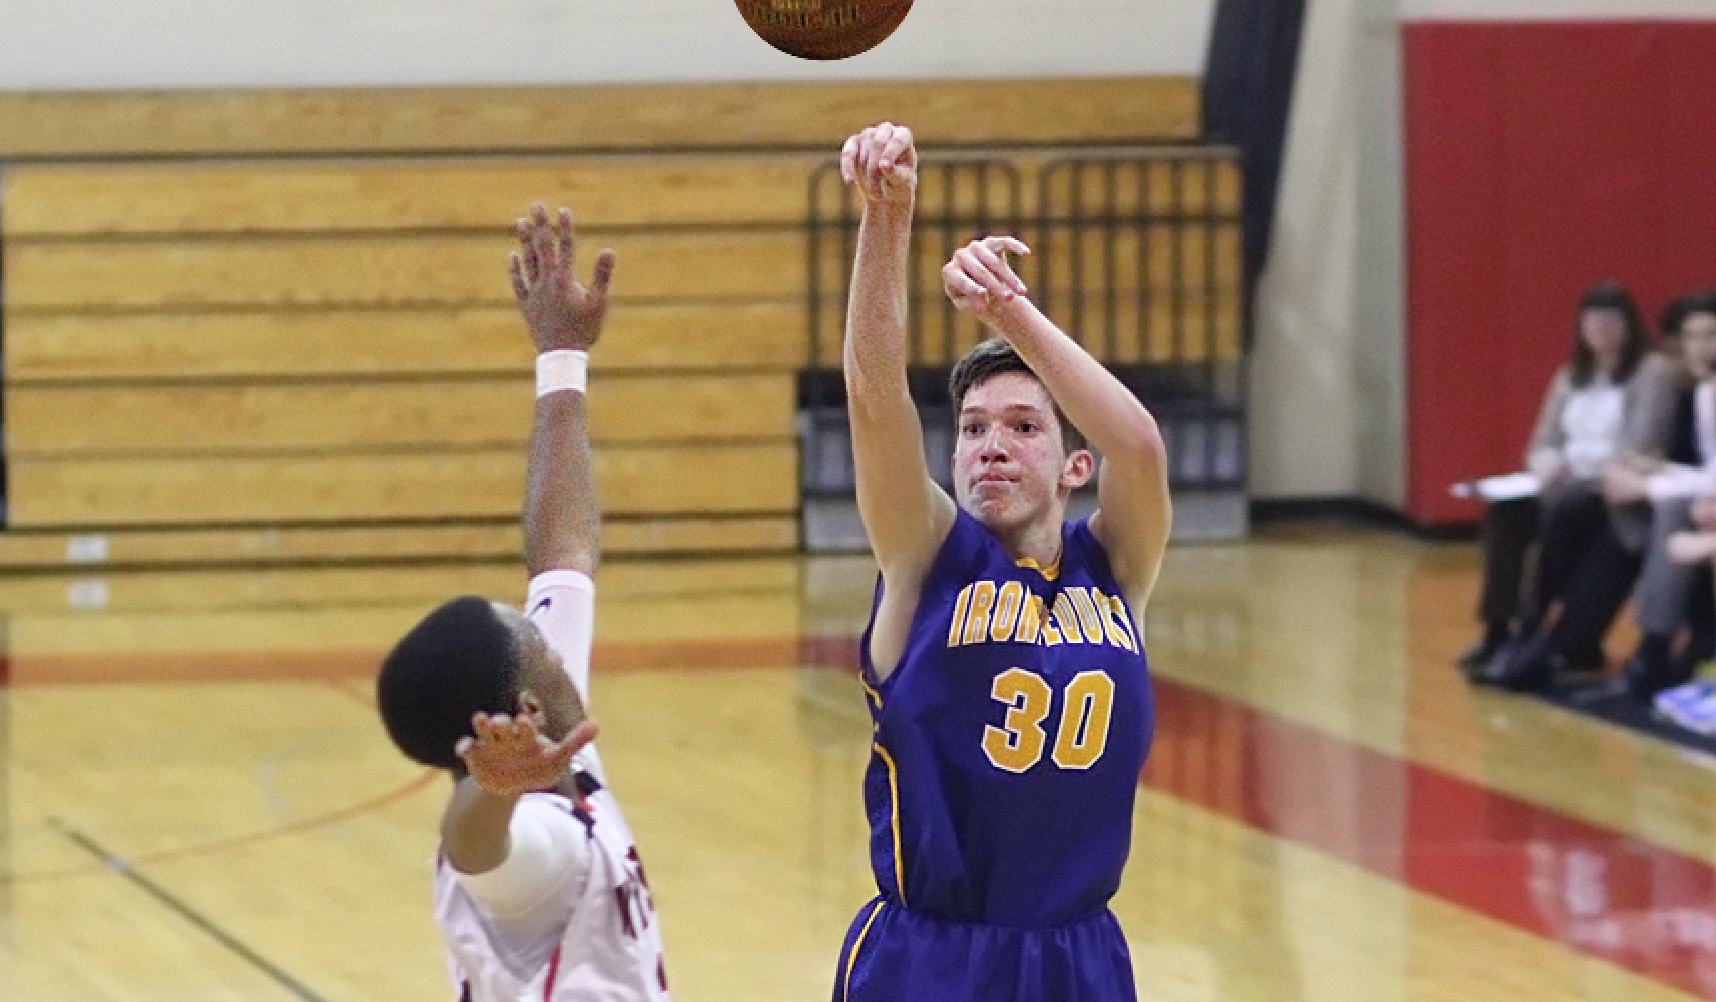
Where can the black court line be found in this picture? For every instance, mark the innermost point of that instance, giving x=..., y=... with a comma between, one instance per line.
x=215, y=932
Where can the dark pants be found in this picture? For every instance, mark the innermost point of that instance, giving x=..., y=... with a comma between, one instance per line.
x=1510, y=529
x=1701, y=613
x=1584, y=567
x=1670, y=595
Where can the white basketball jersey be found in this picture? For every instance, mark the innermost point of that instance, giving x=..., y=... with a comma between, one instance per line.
x=609, y=949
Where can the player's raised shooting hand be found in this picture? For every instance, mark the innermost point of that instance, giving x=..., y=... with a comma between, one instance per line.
x=980, y=280
x=510, y=756
x=562, y=314
x=882, y=162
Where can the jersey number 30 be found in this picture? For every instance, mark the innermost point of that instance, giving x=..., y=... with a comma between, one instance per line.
x=1081, y=736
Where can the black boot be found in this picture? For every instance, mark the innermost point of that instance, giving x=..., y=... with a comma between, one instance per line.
x=1652, y=669
x=1478, y=656
x=1526, y=665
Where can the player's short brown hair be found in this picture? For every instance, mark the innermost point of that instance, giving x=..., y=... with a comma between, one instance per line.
x=990, y=359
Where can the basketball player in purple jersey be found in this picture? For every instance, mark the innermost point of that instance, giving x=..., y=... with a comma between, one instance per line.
x=1004, y=661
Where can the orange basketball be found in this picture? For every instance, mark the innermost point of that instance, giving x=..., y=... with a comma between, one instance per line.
x=824, y=29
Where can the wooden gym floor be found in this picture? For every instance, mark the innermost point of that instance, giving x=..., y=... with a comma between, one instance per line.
x=199, y=803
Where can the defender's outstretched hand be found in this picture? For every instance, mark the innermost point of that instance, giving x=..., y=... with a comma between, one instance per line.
x=883, y=163
x=562, y=313
x=980, y=280
x=510, y=756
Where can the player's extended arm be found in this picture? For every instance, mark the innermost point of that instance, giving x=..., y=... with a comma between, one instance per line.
x=508, y=758
x=562, y=522
x=1134, y=515
x=906, y=515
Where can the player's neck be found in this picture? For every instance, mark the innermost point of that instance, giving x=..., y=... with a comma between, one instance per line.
x=1038, y=541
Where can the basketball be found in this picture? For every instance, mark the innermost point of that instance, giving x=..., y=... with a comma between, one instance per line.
x=824, y=29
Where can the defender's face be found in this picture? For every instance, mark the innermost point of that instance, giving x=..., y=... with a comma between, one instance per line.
x=1008, y=461
x=544, y=685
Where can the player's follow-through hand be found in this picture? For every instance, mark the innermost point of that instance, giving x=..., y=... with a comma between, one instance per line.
x=510, y=756
x=562, y=313
x=980, y=280
x=883, y=163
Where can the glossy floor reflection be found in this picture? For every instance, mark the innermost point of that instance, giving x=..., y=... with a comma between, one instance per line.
x=199, y=804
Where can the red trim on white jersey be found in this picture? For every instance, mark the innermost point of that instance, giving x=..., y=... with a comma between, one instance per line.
x=553, y=973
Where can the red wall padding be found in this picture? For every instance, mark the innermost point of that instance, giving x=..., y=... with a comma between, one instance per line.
x=1540, y=158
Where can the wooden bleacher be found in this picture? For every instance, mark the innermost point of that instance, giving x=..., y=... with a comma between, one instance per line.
x=305, y=350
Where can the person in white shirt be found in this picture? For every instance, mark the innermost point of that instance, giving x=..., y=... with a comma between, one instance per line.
x=1615, y=396
x=539, y=891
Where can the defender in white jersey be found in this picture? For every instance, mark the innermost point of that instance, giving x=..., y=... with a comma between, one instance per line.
x=539, y=891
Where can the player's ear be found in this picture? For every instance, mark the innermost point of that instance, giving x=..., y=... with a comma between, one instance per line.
x=1078, y=469
x=531, y=706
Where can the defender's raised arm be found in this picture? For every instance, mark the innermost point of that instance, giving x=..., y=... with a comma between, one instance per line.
x=562, y=522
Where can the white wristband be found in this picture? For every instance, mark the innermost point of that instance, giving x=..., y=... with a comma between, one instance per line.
x=561, y=370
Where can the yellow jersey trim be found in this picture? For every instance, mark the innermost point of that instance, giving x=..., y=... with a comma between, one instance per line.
x=894, y=820
x=858, y=944
x=1049, y=573
x=872, y=692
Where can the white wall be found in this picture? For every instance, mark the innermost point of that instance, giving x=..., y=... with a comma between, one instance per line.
x=137, y=44
x=1329, y=377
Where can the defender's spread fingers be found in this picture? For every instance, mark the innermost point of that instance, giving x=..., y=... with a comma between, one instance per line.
x=581, y=735
x=563, y=229
x=532, y=261
x=515, y=267
x=545, y=249
x=604, y=272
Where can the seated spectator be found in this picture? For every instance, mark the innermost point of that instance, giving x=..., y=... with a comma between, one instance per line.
x=1672, y=597
x=1616, y=397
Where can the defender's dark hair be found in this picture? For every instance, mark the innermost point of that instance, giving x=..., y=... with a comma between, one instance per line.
x=458, y=661
x=1610, y=297
x=989, y=359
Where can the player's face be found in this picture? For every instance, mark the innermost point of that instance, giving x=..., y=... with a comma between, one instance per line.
x=543, y=684
x=1009, y=465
